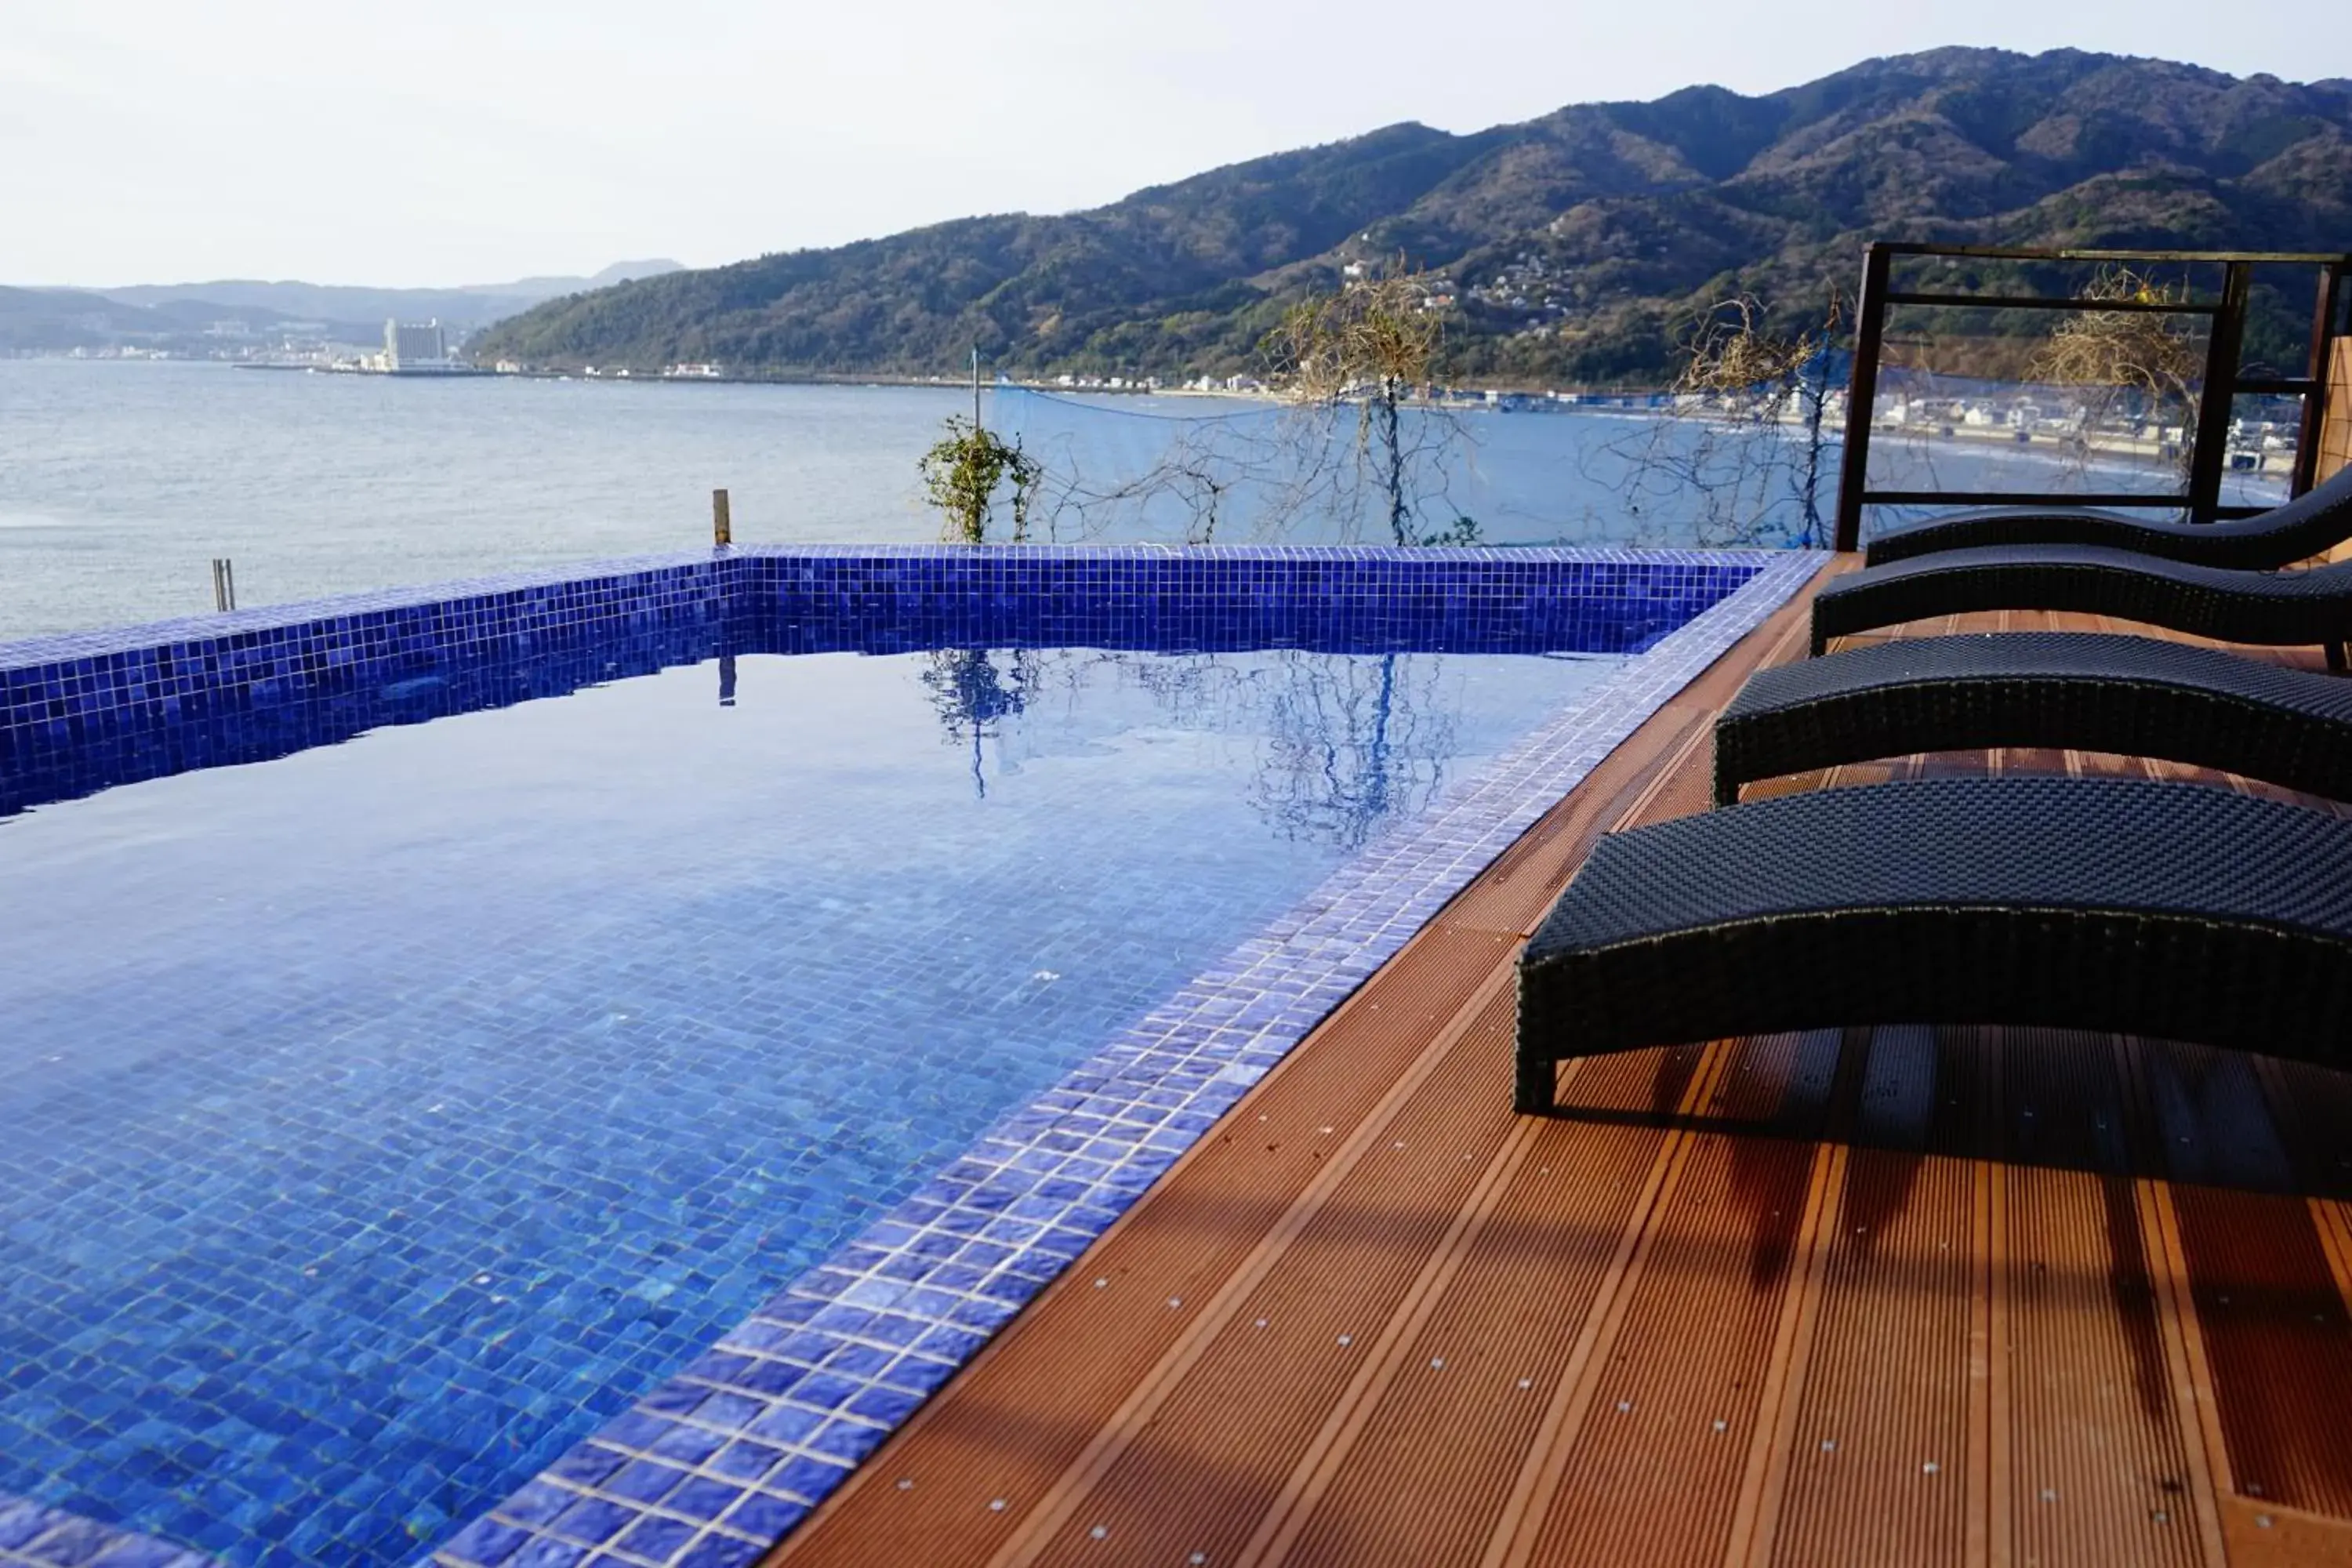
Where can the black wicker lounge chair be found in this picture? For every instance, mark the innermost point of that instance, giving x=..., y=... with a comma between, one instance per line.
x=2277, y=608
x=2312, y=523
x=2138, y=695
x=2166, y=910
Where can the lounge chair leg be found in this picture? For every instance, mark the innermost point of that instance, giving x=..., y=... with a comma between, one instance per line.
x=2336, y=663
x=1537, y=1085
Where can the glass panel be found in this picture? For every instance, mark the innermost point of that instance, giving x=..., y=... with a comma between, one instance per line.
x=2264, y=433
x=2021, y=401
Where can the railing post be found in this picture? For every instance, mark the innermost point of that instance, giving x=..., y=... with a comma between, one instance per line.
x=1860, y=393
x=722, y=524
x=2315, y=402
x=2212, y=455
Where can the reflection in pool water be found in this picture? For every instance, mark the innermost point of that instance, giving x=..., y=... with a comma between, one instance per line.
x=380, y=1117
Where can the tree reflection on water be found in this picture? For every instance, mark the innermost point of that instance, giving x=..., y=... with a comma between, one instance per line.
x=1342, y=744
x=1351, y=742
x=971, y=696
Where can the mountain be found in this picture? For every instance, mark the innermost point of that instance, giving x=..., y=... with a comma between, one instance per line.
x=537, y=288
x=466, y=306
x=49, y=319
x=1570, y=242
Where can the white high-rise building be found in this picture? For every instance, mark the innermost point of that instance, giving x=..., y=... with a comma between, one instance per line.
x=410, y=345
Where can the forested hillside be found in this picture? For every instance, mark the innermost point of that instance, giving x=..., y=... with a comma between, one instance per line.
x=1562, y=248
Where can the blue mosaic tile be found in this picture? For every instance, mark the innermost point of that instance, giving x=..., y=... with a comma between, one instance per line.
x=32, y=1536
x=705, y=1498
x=719, y=1551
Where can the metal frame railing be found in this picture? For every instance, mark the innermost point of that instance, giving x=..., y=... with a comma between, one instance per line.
x=2221, y=386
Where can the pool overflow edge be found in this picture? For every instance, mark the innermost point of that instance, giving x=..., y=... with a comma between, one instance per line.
x=85, y=710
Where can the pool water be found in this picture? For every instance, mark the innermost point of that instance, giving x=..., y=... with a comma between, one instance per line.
x=377, y=1120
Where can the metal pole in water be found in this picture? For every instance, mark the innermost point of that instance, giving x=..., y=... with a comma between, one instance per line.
x=228, y=571
x=722, y=524
x=224, y=584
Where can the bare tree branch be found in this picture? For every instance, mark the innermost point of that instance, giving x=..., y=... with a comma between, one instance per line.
x=1749, y=429
x=2149, y=358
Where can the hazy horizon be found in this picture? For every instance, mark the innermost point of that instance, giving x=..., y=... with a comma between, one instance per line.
x=471, y=283
x=141, y=142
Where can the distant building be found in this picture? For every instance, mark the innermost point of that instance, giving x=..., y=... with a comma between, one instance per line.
x=409, y=345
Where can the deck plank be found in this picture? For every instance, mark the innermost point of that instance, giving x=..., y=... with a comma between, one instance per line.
x=1892, y=1378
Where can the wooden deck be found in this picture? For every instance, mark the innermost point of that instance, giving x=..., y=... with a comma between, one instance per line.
x=1870, y=1297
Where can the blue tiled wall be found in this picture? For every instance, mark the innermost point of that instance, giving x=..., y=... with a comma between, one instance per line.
x=1493, y=600
x=303, y=649
x=88, y=711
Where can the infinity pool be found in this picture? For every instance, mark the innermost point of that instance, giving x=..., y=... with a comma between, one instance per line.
x=377, y=1120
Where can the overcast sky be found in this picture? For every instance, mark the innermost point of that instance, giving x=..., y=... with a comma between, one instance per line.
x=439, y=142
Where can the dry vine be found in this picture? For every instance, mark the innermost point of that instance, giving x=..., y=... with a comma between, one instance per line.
x=1373, y=344
x=2153, y=359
